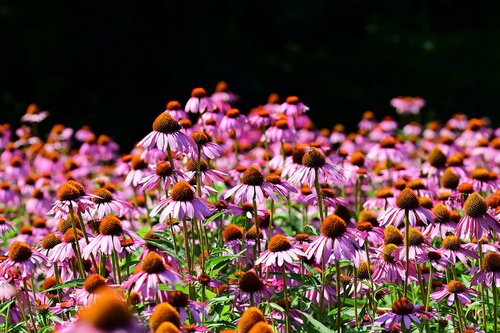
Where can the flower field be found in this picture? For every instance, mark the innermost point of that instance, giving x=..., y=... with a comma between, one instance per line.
x=228, y=220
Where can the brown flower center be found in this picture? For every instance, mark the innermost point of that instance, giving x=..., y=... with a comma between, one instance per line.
x=415, y=237
x=109, y=312
x=393, y=235
x=168, y=327
x=363, y=273
x=252, y=176
x=249, y=282
x=434, y=255
x=153, y=263
x=387, y=253
x=482, y=175
x=491, y=262
x=388, y=142
x=103, y=196
x=407, y=199
x=475, y=205
x=465, y=188
x=232, y=232
x=165, y=123
x=111, y=226
x=451, y=243
x=437, y=158
x=273, y=179
x=20, y=251
x=173, y=105
x=233, y=113
x=450, y=179
x=403, y=306
x=333, y=226
x=198, y=93
x=67, y=192
x=384, y=193
x=442, y=213
x=50, y=240
x=279, y=243
x=164, y=312
x=292, y=100
x=249, y=318
x=314, y=158
x=93, y=282
x=177, y=299
x=416, y=184
x=191, y=165
x=455, y=287
x=201, y=138
x=364, y=226
x=302, y=238
x=182, y=191
x=69, y=235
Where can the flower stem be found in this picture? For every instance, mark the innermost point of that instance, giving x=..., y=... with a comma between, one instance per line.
x=429, y=286
x=372, y=284
x=318, y=193
x=407, y=250
x=495, y=307
x=355, y=273
x=28, y=303
x=256, y=217
x=287, y=306
x=339, y=302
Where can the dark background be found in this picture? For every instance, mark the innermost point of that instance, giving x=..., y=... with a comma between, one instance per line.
x=114, y=65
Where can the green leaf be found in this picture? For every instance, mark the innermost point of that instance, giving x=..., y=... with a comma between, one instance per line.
x=73, y=283
x=317, y=325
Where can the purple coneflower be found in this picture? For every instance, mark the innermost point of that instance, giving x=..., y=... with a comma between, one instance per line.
x=22, y=260
x=293, y=106
x=182, y=203
x=252, y=187
x=280, y=132
x=451, y=249
x=251, y=290
x=336, y=242
x=165, y=173
x=279, y=252
x=403, y=313
x=490, y=271
x=88, y=293
x=152, y=273
x=406, y=202
x=455, y=290
x=208, y=149
x=407, y=105
x=476, y=221
x=388, y=149
x=233, y=120
x=199, y=102
x=5, y=225
x=315, y=167
x=167, y=135
x=443, y=224
x=34, y=114
x=71, y=197
x=175, y=110
x=106, y=204
x=388, y=269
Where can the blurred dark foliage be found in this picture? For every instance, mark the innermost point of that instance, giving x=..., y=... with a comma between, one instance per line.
x=113, y=65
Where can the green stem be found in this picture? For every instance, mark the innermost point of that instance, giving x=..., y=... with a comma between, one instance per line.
x=28, y=303
x=339, y=303
x=318, y=192
x=407, y=250
x=356, y=320
x=495, y=307
x=372, y=284
x=429, y=286
x=287, y=305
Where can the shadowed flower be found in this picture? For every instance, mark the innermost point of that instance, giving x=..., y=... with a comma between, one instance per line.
x=403, y=313
x=454, y=289
x=489, y=272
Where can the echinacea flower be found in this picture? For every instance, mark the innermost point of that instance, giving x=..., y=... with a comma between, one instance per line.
x=34, y=114
x=90, y=290
x=164, y=313
x=316, y=167
x=108, y=314
x=476, y=221
x=443, y=224
x=388, y=149
x=405, y=105
x=252, y=187
x=452, y=249
x=152, y=273
x=5, y=226
x=175, y=110
x=489, y=272
x=335, y=243
x=455, y=290
x=109, y=240
x=71, y=198
x=293, y=106
x=403, y=313
x=208, y=149
x=167, y=135
x=182, y=203
x=250, y=289
x=279, y=251
x=22, y=260
x=232, y=120
x=387, y=268
x=106, y=204
x=406, y=203
x=367, y=232
x=164, y=174
x=199, y=102
x=181, y=302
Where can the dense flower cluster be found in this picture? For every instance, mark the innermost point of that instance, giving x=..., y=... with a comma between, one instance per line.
x=221, y=220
